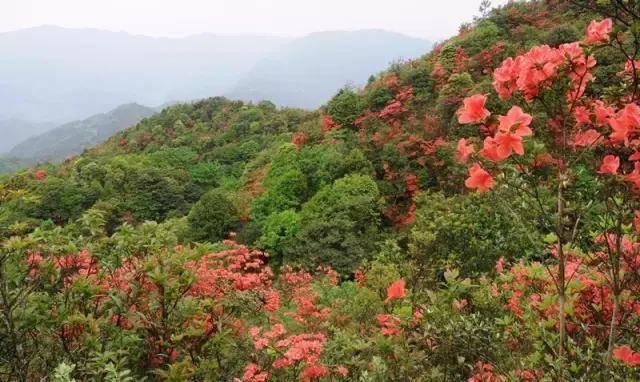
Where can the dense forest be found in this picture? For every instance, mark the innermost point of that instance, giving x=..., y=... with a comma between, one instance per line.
x=471, y=215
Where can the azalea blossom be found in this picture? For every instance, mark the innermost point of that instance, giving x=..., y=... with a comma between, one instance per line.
x=464, y=150
x=582, y=115
x=490, y=150
x=506, y=144
x=515, y=122
x=343, y=371
x=634, y=176
x=626, y=355
x=40, y=174
x=479, y=178
x=473, y=110
x=602, y=112
x=598, y=31
x=396, y=290
x=500, y=265
x=459, y=304
x=530, y=72
x=610, y=164
x=625, y=123
x=586, y=138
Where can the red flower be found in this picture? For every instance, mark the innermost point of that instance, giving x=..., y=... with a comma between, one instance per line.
x=343, y=371
x=610, y=164
x=473, y=110
x=512, y=128
x=479, y=178
x=389, y=324
x=515, y=122
x=313, y=372
x=500, y=265
x=328, y=123
x=299, y=139
x=583, y=116
x=634, y=176
x=396, y=290
x=586, y=138
x=620, y=129
x=598, y=31
x=253, y=373
x=627, y=120
x=459, y=304
x=507, y=144
x=40, y=174
x=490, y=150
x=464, y=150
x=412, y=184
x=626, y=355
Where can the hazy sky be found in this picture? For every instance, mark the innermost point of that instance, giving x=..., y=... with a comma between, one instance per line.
x=174, y=18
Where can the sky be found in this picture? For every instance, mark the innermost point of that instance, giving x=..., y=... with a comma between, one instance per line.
x=433, y=19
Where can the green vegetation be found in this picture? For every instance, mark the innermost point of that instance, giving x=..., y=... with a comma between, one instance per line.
x=444, y=223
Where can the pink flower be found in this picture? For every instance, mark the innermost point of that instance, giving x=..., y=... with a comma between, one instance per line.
x=40, y=174
x=500, y=265
x=396, y=290
x=490, y=150
x=464, y=150
x=516, y=122
x=598, y=31
x=459, y=304
x=627, y=356
x=479, y=178
x=634, y=176
x=473, y=110
x=586, y=138
x=507, y=144
x=610, y=164
x=343, y=371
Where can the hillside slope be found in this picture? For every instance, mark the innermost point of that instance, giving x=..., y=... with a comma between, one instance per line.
x=74, y=137
x=364, y=241
x=15, y=130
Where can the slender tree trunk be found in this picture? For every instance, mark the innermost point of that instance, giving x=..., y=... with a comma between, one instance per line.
x=561, y=279
x=613, y=327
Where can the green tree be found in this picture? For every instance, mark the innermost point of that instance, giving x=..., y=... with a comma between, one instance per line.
x=339, y=226
x=212, y=217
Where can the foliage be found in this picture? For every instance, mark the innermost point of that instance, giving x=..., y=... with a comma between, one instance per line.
x=212, y=217
x=470, y=215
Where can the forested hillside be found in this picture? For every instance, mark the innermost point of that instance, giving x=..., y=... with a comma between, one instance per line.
x=74, y=137
x=469, y=215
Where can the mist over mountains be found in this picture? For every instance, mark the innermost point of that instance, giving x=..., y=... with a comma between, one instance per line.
x=74, y=137
x=306, y=72
x=57, y=74
x=52, y=75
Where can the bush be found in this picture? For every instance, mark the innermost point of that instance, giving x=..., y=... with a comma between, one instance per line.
x=212, y=217
x=339, y=226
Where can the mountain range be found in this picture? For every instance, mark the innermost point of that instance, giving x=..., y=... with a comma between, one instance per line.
x=74, y=137
x=51, y=75
x=306, y=72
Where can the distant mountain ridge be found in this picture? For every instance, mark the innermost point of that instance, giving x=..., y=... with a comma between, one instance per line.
x=75, y=137
x=57, y=74
x=307, y=71
x=14, y=130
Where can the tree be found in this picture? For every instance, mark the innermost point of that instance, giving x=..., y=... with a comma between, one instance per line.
x=339, y=226
x=576, y=133
x=212, y=217
x=485, y=7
